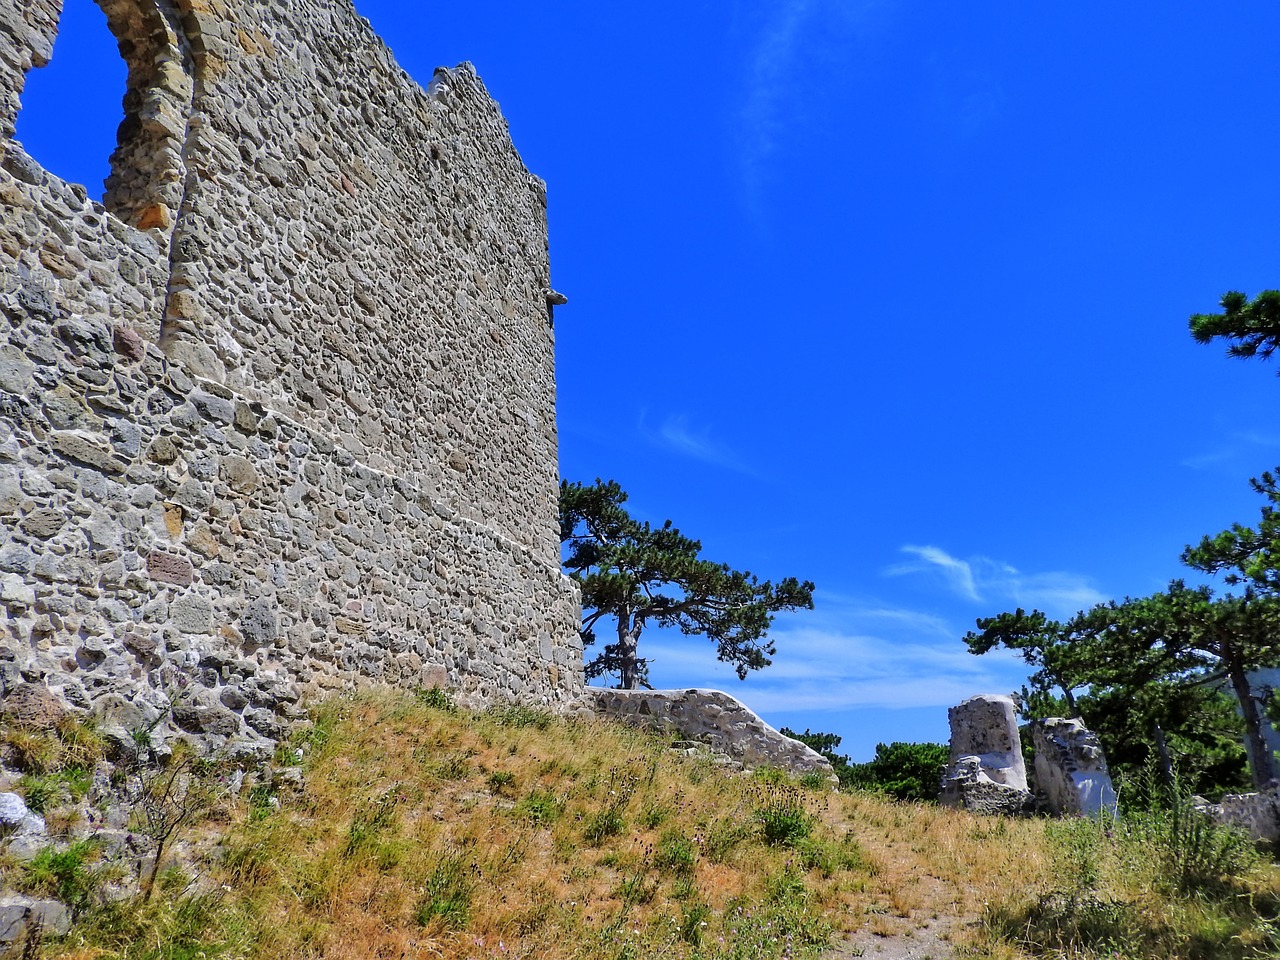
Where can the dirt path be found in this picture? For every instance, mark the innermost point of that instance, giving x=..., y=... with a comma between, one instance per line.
x=928, y=942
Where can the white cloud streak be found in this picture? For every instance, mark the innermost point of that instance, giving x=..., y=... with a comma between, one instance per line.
x=1238, y=443
x=762, y=114
x=982, y=579
x=677, y=435
x=830, y=670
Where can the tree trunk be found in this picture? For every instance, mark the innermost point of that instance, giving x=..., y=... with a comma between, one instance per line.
x=628, y=642
x=1071, y=701
x=1261, y=763
x=1162, y=755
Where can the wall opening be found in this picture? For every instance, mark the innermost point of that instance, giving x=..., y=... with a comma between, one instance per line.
x=145, y=55
x=71, y=107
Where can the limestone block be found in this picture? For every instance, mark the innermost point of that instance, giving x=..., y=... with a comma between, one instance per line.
x=986, y=772
x=12, y=811
x=986, y=726
x=33, y=706
x=1071, y=770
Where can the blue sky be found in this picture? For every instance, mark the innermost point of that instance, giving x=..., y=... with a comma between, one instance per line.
x=890, y=296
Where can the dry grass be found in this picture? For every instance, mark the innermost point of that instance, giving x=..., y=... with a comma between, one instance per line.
x=426, y=832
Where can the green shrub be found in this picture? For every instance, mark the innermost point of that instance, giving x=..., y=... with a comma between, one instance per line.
x=1199, y=856
x=905, y=771
x=783, y=818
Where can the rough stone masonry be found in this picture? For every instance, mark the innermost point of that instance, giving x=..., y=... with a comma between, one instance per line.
x=277, y=417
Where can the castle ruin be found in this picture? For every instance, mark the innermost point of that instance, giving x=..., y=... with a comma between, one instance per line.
x=277, y=417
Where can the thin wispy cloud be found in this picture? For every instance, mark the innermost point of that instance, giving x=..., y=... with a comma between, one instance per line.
x=1236, y=445
x=678, y=435
x=797, y=38
x=763, y=112
x=982, y=579
x=817, y=669
x=958, y=574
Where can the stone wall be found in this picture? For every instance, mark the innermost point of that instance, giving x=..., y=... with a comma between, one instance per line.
x=708, y=716
x=279, y=418
x=1257, y=814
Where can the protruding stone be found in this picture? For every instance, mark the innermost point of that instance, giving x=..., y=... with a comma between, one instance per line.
x=163, y=450
x=170, y=568
x=78, y=448
x=239, y=474
x=128, y=343
x=206, y=718
x=43, y=523
x=33, y=706
x=156, y=216
x=192, y=613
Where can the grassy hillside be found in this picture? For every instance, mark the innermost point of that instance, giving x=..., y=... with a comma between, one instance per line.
x=418, y=830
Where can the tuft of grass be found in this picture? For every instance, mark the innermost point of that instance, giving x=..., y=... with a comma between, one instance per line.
x=436, y=699
x=539, y=807
x=32, y=752
x=784, y=820
x=502, y=783
x=521, y=716
x=64, y=874
x=675, y=853
x=446, y=895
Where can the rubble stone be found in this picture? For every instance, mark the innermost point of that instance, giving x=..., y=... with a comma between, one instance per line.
x=711, y=717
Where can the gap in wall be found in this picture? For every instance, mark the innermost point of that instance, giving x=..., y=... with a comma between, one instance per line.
x=71, y=108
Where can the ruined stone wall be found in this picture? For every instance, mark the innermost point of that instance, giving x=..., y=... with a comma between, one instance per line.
x=712, y=717
x=279, y=418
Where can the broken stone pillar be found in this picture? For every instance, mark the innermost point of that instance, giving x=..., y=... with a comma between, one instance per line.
x=986, y=773
x=1071, y=770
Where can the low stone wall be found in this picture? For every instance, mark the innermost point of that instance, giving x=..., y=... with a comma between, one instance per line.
x=1256, y=813
x=709, y=716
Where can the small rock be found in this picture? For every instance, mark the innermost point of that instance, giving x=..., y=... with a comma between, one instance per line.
x=33, y=706
x=12, y=810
